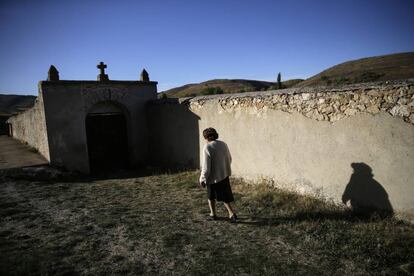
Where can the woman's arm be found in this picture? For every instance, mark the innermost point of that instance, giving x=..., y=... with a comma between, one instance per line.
x=228, y=153
x=206, y=166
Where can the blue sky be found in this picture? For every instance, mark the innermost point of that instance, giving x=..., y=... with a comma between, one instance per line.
x=181, y=42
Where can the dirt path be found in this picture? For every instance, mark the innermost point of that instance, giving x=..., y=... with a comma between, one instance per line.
x=14, y=154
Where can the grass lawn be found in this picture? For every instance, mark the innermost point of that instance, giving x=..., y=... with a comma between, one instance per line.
x=157, y=225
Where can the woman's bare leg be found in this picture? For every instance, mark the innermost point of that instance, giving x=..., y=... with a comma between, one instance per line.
x=212, y=205
x=229, y=209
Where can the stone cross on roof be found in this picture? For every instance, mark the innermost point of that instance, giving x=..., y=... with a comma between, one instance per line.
x=102, y=67
x=102, y=76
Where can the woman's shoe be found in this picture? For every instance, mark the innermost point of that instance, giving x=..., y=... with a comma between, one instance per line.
x=210, y=217
x=233, y=218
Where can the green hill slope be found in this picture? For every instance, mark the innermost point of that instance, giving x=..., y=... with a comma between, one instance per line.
x=379, y=68
x=225, y=86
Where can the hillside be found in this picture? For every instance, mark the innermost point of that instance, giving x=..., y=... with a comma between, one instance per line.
x=226, y=85
x=10, y=104
x=379, y=68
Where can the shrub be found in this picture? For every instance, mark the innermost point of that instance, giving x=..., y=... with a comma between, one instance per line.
x=212, y=91
x=341, y=80
x=369, y=76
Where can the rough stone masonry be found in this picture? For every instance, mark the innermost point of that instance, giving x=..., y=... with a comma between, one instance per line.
x=324, y=104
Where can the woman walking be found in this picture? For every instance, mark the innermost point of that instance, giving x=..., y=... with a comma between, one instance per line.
x=215, y=173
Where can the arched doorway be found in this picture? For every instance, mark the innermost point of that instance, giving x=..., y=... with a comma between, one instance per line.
x=107, y=137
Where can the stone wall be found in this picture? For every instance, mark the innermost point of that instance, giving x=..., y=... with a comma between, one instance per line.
x=313, y=140
x=30, y=127
x=174, y=134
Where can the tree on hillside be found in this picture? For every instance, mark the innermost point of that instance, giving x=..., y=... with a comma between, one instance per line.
x=279, y=81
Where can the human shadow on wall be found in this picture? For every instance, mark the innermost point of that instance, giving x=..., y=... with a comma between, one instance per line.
x=365, y=195
x=368, y=199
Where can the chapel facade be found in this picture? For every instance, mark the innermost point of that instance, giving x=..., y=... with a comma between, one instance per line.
x=88, y=126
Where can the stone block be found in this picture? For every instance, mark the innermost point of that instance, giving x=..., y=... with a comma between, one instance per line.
x=400, y=110
x=373, y=109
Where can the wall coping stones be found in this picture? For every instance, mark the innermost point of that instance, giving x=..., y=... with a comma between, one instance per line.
x=383, y=85
x=323, y=103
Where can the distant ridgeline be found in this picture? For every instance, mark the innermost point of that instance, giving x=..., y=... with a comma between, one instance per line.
x=371, y=69
x=12, y=104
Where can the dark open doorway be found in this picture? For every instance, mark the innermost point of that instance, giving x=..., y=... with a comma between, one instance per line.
x=107, y=140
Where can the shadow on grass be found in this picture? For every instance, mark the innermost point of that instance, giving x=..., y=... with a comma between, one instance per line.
x=128, y=174
x=345, y=216
x=51, y=174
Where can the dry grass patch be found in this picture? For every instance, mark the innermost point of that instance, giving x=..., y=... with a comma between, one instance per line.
x=157, y=225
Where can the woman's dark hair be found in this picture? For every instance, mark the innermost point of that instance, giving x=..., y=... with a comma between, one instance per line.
x=210, y=134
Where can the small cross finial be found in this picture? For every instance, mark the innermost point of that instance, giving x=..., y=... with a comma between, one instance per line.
x=102, y=76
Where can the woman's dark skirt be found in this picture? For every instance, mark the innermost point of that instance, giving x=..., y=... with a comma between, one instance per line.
x=220, y=191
